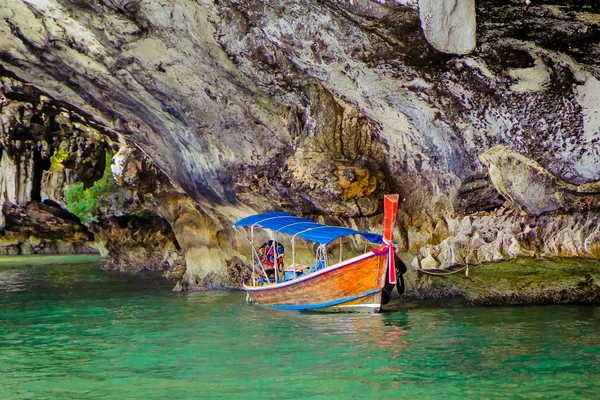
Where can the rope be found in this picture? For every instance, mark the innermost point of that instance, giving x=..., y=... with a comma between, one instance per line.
x=445, y=273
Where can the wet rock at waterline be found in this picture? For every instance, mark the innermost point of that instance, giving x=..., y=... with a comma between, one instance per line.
x=41, y=228
x=139, y=243
x=212, y=111
x=524, y=281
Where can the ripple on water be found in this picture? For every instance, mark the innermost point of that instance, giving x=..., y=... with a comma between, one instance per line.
x=73, y=331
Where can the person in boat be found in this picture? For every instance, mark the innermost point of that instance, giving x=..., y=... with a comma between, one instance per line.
x=271, y=257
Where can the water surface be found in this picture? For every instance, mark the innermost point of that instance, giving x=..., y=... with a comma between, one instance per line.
x=72, y=331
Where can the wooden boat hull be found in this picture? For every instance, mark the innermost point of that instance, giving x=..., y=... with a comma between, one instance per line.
x=350, y=286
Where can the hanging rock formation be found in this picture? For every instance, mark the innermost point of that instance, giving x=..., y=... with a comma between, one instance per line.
x=449, y=25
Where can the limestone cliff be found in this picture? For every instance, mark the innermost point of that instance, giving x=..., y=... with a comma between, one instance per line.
x=216, y=109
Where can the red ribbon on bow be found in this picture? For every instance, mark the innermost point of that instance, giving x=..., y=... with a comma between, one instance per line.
x=389, y=248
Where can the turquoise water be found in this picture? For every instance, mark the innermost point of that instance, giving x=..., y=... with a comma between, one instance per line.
x=71, y=331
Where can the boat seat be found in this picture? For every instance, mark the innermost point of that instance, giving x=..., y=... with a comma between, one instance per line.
x=297, y=267
x=295, y=271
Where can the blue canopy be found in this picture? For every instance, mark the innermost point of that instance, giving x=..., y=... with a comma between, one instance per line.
x=305, y=228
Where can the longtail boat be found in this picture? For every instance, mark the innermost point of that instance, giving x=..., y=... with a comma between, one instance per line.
x=359, y=283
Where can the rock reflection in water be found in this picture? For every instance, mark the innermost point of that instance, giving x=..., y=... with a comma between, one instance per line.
x=11, y=281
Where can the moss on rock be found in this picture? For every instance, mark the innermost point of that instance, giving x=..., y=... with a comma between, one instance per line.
x=523, y=281
x=86, y=203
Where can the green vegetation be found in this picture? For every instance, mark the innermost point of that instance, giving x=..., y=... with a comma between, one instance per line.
x=57, y=159
x=85, y=203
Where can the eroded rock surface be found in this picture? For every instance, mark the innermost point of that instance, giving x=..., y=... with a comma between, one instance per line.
x=135, y=243
x=59, y=195
x=532, y=188
x=220, y=109
x=449, y=25
x=42, y=229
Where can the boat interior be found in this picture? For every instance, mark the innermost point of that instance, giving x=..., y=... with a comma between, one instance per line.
x=285, y=247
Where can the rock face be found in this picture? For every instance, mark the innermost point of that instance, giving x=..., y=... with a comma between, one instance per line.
x=449, y=25
x=139, y=243
x=215, y=110
x=29, y=135
x=532, y=188
x=42, y=229
x=56, y=175
x=507, y=235
x=517, y=282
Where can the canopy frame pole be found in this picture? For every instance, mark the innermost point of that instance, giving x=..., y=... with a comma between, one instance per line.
x=253, y=251
x=275, y=255
x=312, y=229
x=255, y=256
x=295, y=223
x=294, y=255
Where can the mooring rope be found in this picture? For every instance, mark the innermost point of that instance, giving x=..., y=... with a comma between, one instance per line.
x=424, y=271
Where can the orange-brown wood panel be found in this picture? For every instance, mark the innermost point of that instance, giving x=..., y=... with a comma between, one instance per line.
x=354, y=279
